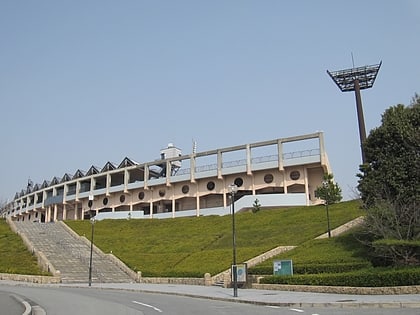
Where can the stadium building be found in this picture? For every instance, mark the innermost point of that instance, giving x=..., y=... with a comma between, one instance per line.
x=273, y=173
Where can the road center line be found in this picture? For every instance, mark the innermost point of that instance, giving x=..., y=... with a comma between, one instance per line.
x=147, y=305
x=297, y=310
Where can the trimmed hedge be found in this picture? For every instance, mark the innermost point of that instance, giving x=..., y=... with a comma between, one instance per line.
x=315, y=268
x=362, y=278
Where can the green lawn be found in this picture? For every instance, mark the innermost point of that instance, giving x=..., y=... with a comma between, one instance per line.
x=14, y=256
x=194, y=246
x=337, y=254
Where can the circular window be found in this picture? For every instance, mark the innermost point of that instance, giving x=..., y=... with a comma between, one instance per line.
x=162, y=192
x=122, y=198
x=211, y=185
x=141, y=195
x=268, y=178
x=185, y=189
x=295, y=175
x=90, y=203
x=239, y=182
x=105, y=201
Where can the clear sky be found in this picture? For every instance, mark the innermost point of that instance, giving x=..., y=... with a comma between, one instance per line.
x=87, y=82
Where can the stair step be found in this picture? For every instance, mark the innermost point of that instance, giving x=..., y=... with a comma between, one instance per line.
x=70, y=255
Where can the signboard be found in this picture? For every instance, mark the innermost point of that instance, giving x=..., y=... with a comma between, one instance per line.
x=241, y=273
x=283, y=267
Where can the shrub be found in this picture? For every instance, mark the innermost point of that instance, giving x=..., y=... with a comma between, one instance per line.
x=363, y=278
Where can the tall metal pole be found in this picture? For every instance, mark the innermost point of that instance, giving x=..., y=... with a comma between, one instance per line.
x=356, y=79
x=92, y=221
x=360, y=117
x=328, y=219
x=234, y=266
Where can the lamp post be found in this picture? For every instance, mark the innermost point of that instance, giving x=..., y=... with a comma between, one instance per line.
x=326, y=201
x=92, y=221
x=233, y=189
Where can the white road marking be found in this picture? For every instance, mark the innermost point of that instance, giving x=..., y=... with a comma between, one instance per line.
x=147, y=305
x=297, y=310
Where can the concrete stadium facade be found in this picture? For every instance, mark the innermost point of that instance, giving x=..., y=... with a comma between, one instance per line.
x=182, y=185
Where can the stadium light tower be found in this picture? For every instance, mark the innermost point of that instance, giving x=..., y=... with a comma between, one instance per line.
x=356, y=79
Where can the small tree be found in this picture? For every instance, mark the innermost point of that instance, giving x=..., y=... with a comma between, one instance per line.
x=256, y=206
x=329, y=191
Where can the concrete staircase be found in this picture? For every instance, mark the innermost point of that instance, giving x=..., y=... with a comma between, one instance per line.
x=69, y=254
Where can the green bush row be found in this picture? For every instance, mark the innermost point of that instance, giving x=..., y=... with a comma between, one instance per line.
x=314, y=268
x=363, y=278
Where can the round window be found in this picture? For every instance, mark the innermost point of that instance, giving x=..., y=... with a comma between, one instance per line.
x=105, y=201
x=122, y=198
x=268, y=178
x=211, y=185
x=295, y=175
x=162, y=192
x=185, y=189
x=239, y=182
x=141, y=195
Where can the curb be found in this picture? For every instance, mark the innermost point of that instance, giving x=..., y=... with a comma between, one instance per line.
x=343, y=304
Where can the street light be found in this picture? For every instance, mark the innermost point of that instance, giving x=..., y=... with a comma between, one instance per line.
x=326, y=201
x=233, y=189
x=92, y=221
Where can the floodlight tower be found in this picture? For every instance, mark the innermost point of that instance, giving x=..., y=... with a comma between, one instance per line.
x=356, y=79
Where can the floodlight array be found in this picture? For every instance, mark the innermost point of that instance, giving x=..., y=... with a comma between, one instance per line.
x=365, y=75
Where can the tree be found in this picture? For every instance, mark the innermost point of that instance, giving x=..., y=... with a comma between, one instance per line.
x=330, y=192
x=392, y=168
x=389, y=184
x=256, y=206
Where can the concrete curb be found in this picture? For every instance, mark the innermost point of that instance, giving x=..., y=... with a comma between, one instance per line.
x=338, y=304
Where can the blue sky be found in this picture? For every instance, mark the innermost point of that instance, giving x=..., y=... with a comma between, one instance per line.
x=86, y=82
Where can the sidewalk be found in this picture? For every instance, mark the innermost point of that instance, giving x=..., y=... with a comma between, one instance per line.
x=268, y=297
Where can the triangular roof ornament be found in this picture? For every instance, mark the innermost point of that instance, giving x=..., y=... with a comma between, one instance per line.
x=78, y=174
x=45, y=184
x=66, y=178
x=54, y=181
x=92, y=171
x=126, y=162
x=108, y=167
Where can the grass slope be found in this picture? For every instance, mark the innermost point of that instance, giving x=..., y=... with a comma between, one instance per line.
x=194, y=246
x=14, y=256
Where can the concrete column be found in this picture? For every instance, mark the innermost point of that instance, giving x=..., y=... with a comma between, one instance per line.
x=64, y=212
x=280, y=153
x=108, y=184
x=55, y=212
x=305, y=172
x=285, y=182
x=151, y=209
x=197, y=202
x=219, y=164
x=173, y=203
x=146, y=176
x=126, y=180
x=192, y=169
x=75, y=211
x=224, y=194
x=248, y=160
x=48, y=216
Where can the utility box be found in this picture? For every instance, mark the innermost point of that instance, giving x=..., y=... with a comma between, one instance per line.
x=283, y=268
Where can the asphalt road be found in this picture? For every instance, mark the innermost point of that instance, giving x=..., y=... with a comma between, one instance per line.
x=10, y=304
x=67, y=300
